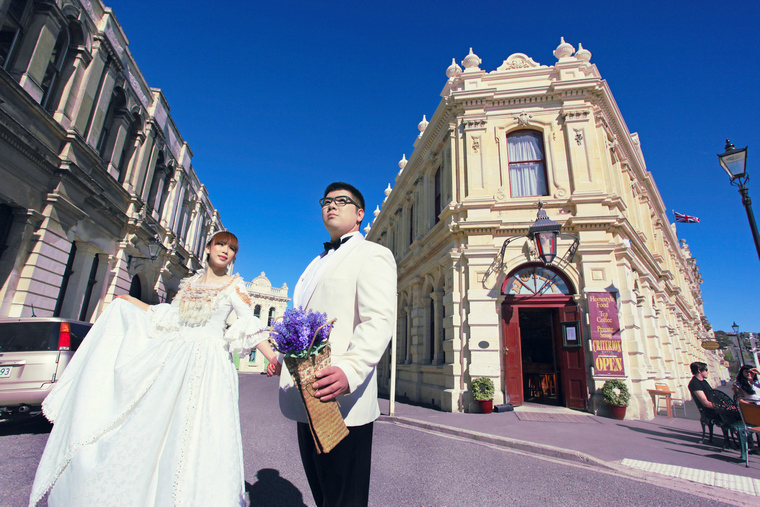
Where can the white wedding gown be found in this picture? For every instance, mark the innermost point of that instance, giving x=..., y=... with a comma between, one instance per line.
x=146, y=414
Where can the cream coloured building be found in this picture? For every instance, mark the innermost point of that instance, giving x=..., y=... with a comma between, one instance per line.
x=268, y=304
x=626, y=305
x=94, y=170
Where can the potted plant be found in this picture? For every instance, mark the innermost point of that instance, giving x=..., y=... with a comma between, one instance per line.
x=482, y=392
x=617, y=396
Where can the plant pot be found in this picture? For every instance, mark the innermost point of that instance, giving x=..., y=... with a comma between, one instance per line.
x=486, y=406
x=617, y=412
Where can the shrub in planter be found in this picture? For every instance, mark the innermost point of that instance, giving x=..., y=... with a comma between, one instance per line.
x=482, y=392
x=617, y=396
x=482, y=389
x=615, y=392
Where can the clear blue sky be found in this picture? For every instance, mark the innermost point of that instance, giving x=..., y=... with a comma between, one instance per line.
x=277, y=99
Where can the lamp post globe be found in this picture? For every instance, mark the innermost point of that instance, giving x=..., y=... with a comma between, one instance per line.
x=734, y=162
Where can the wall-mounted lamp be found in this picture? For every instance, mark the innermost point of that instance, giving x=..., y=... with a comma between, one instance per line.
x=154, y=247
x=544, y=233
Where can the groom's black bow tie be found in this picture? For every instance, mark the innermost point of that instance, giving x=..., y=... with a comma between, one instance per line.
x=334, y=245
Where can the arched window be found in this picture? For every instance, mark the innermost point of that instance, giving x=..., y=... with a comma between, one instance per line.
x=11, y=31
x=53, y=70
x=270, y=319
x=411, y=224
x=437, y=197
x=257, y=311
x=128, y=150
x=159, y=186
x=115, y=114
x=527, y=166
x=535, y=280
x=135, y=288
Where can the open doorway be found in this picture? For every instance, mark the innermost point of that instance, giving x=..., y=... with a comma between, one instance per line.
x=538, y=345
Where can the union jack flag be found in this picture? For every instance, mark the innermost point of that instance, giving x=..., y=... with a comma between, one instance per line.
x=685, y=219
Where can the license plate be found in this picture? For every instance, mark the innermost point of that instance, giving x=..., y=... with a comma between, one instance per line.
x=5, y=371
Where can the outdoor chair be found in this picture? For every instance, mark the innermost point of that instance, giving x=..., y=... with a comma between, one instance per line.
x=707, y=419
x=750, y=414
x=731, y=418
x=674, y=402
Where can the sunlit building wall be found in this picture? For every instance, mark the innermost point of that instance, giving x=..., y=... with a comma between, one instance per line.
x=499, y=142
x=269, y=303
x=94, y=170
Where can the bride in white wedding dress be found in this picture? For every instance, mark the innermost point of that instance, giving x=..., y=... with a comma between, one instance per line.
x=146, y=414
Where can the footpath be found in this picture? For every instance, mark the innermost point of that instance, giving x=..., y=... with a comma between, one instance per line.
x=663, y=447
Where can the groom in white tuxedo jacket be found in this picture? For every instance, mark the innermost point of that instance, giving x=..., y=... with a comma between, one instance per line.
x=354, y=282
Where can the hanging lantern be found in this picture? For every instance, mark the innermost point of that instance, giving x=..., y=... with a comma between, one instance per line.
x=544, y=232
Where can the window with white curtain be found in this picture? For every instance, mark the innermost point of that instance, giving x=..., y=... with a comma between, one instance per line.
x=527, y=174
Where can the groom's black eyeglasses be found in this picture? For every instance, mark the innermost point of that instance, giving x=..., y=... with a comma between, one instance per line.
x=339, y=201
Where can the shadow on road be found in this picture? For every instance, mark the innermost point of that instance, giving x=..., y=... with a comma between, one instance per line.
x=272, y=490
x=27, y=426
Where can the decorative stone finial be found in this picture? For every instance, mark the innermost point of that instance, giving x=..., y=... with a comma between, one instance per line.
x=402, y=163
x=563, y=50
x=471, y=61
x=583, y=55
x=377, y=210
x=421, y=126
x=388, y=190
x=367, y=229
x=454, y=70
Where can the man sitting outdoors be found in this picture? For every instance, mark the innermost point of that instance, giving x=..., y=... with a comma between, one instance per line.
x=700, y=390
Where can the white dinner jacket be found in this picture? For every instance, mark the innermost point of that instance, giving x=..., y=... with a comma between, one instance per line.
x=358, y=289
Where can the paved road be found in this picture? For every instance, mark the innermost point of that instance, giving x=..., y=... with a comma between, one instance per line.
x=411, y=467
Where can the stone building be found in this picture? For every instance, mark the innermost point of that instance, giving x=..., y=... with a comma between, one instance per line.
x=98, y=196
x=268, y=303
x=474, y=297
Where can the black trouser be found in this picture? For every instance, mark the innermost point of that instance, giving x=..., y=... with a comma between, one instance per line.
x=339, y=478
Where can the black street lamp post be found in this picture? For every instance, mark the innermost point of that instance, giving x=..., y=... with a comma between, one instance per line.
x=735, y=327
x=734, y=162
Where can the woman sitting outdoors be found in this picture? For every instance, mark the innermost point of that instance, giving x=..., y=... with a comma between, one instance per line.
x=747, y=385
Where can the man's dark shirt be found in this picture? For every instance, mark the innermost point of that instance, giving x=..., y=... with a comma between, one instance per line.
x=700, y=385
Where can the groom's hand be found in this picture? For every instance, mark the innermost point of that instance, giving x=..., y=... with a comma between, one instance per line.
x=332, y=382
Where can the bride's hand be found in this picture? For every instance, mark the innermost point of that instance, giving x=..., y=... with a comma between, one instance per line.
x=273, y=369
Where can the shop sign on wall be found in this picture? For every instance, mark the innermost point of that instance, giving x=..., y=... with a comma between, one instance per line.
x=606, y=346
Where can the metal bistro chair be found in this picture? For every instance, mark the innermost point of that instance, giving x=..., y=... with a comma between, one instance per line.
x=707, y=418
x=731, y=419
x=750, y=414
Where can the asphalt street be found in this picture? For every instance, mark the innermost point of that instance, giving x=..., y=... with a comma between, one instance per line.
x=411, y=467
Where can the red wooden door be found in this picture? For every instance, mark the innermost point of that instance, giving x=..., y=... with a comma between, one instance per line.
x=573, y=361
x=513, y=373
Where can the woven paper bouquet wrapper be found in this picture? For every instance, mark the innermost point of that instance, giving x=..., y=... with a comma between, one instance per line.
x=302, y=337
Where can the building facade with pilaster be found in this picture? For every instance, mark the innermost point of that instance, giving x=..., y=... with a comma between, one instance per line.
x=269, y=303
x=99, y=196
x=475, y=300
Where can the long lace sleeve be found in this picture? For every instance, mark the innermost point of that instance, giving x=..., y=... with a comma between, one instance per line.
x=247, y=331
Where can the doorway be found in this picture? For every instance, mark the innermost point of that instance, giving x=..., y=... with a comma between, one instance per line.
x=544, y=359
x=538, y=345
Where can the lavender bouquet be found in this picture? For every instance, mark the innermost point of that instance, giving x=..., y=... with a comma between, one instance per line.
x=301, y=333
x=302, y=337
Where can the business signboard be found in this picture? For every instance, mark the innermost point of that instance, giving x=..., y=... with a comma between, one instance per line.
x=606, y=345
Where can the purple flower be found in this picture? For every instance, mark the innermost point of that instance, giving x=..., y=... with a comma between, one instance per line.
x=294, y=332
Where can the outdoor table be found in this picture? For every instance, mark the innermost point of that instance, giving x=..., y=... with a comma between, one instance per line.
x=661, y=392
